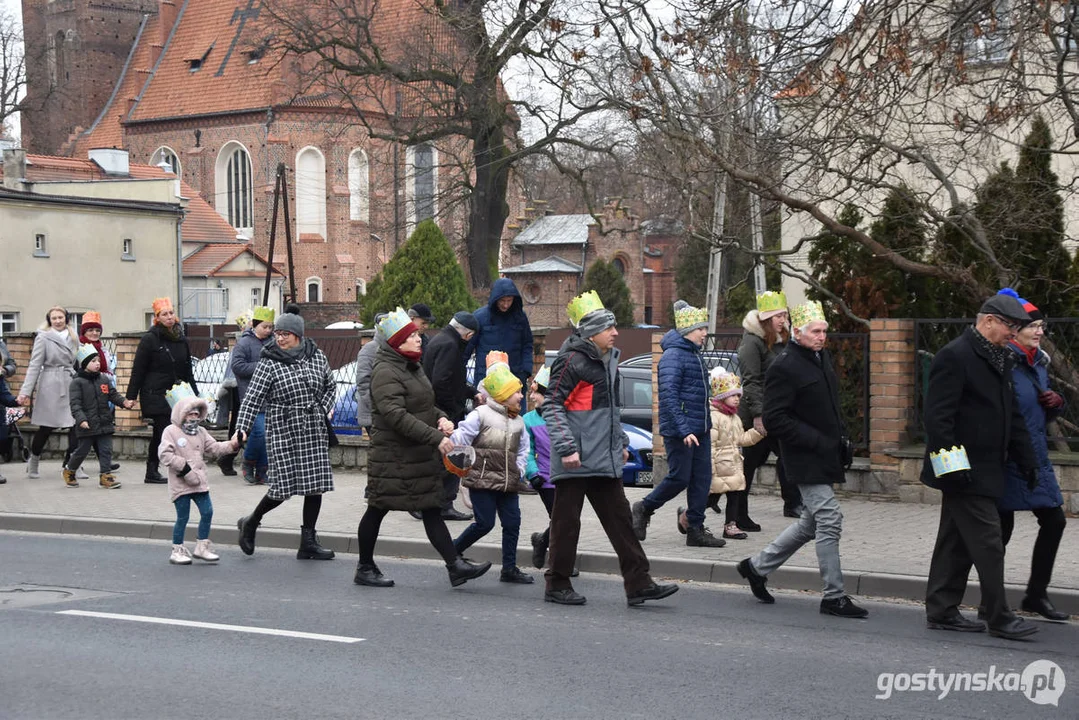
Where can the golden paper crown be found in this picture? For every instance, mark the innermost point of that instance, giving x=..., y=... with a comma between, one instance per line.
x=84, y=352
x=690, y=316
x=807, y=312
x=725, y=385
x=543, y=377
x=178, y=392
x=262, y=314
x=501, y=383
x=393, y=322
x=769, y=301
x=582, y=305
x=497, y=356
x=241, y=320
x=949, y=461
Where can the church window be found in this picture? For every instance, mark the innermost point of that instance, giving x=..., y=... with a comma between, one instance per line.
x=359, y=185
x=422, y=182
x=314, y=289
x=234, y=191
x=310, y=192
x=165, y=156
x=620, y=265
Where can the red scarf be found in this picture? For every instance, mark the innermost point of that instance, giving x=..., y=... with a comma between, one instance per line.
x=100, y=353
x=723, y=407
x=1031, y=353
x=413, y=356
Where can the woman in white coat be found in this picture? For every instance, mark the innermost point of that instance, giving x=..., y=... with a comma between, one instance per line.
x=49, y=373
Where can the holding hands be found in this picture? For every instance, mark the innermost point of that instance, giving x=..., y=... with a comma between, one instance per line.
x=129, y=404
x=84, y=425
x=23, y=400
x=445, y=426
x=445, y=446
x=236, y=441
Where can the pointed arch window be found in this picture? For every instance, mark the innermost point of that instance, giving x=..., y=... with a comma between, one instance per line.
x=310, y=192
x=234, y=193
x=359, y=187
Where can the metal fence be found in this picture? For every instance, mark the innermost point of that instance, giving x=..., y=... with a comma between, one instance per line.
x=1061, y=342
x=850, y=353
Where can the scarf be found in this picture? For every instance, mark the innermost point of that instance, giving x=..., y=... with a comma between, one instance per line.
x=1030, y=353
x=190, y=427
x=998, y=356
x=100, y=352
x=173, y=333
x=723, y=407
x=411, y=356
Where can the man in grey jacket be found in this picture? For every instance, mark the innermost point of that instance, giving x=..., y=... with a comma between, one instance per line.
x=365, y=361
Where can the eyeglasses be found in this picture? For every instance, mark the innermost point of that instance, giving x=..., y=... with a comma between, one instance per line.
x=281, y=333
x=1013, y=326
x=1039, y=325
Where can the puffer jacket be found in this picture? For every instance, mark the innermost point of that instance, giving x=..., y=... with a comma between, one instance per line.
x=754, y=359
x=727, y=436
x=244, y=358
x=683, y=389
x=539, y=454
x=506, y=331
x=404, y=467
x=1028, y=381
x=90, y=395
x=179, y=450
x=582, y=411
x=501, y=445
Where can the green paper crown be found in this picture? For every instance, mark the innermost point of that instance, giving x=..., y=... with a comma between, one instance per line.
x=393, y=322
x=807, y=312
x=582, y=305
x=769, y=301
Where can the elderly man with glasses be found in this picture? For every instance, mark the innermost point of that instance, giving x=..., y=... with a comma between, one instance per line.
x=973, y=428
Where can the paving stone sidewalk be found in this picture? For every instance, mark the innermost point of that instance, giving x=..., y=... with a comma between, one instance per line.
x=879, y=538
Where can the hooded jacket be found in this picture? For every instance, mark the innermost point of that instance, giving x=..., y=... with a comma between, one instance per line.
x=90, y=395
x=179, y=450
x=683, y=389
x=365, y=363
x=507, y=331
x=754, y=359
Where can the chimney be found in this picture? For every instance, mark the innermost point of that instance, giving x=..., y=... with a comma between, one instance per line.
x=112, y=161
x=14, y=168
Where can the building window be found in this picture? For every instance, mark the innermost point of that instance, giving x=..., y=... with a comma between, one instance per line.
x=359, y=185
x=648, y=315
x=128, y=252
x=310, y=192
x=256, y=296
x=361, y=287
x=74, y=320
x=987, y=35
x=41, y=246
x=164, y=156
x=314, y=290
x=9, y=323
x=234, y=188
x=620, y=265
x=422, y=182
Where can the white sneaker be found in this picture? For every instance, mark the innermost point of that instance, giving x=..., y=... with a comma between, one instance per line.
x=31, y=466
x=180, y=555
x=204, y=550
x=80, y=474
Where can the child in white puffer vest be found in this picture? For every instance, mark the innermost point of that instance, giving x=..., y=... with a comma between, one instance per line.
x=184, y=444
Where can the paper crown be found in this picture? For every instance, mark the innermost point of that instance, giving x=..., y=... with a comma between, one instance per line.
x=241, y=320
x=90, y=318
x=726, y=384
x=393, y=322
x=769, y=301
x=690, y=316
x=543, y=377
x=582, y=305
x=807, y=312
x=178, y=392
x=161, y=304
x=85, y=351
x=496, y=356
x=262, y=314
x=949, y=461
x=501, y=383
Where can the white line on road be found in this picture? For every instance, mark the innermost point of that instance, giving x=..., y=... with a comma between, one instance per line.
x=213, y=626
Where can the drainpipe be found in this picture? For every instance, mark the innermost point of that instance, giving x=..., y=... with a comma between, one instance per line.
x=180, y=264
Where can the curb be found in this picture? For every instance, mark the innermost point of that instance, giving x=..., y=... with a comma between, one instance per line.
x=864, y=584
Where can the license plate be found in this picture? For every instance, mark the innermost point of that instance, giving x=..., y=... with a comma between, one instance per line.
x=644, y=477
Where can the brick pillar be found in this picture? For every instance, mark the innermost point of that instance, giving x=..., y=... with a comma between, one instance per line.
x=891, y=389
x=19, y=345
x=125, y=359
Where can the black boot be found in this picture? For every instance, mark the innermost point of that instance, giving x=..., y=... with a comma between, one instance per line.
x=371, y=576
x=247, y=534
x=461, y=570
x=309, y=547
x=713, y=502
x=703, y=537
x=225, y=463
x=152, y=474
x=539, y=549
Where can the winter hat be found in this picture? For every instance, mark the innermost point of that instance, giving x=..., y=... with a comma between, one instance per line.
x=262, y=314
x=500, y=382
x=290, y=322
x=770, y=304
x=688, y=318
x=1007, y=305
x=421, y=311
x=1031, y=310
x=160, y=305
x=587, y=314
x=90, y=320
x=396, y=327
x=724, y=384
x=466, y=320
x=85, y=354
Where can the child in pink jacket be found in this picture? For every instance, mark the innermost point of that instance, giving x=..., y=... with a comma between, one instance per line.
x=183, y=445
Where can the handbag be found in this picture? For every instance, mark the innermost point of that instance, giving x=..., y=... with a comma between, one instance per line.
x=846, y=452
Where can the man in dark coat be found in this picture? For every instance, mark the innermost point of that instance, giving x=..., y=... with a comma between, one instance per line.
x=801, y=410
x=444, y=364
x=422, y=318
x=972, y=428
x=503, y=326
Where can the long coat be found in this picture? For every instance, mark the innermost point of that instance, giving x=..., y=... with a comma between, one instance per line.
x=970, y=404
x=683, y=389
x=404, y=466
x=52, y=365
x=444, y=363
x=754, y=359
x=296, y=391
x=1029, y=380
x=801, y=410
x=160, y=362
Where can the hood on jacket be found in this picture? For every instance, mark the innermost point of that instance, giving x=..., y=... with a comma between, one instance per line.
x=674, y=339
x=502, y=288
x=186, y=405
x=752, y=323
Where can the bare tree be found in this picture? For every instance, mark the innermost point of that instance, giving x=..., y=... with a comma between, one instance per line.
x=12, y=69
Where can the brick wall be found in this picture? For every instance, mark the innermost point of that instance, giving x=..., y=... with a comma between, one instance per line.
x=891, y=389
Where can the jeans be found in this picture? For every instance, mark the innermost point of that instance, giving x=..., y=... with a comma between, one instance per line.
x=485, y=504
x=689, y=469
x=822, y=520
x=101, y=443
x=255, y=449
x=183, y=512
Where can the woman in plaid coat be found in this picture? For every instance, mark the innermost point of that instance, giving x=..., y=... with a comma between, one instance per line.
x=293, y=385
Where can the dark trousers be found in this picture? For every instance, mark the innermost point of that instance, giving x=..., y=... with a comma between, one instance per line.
x=608, y=500
x=752, y=458
x=689, y=468
x=1051, y=522
x=37, y=445
x=487, y=504
x=160, y=422
x=102, y=444
x=450, y=485
x=969, y=534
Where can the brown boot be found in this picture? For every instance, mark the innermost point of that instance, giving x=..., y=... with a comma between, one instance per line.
x=69, y=478
x=109, y=482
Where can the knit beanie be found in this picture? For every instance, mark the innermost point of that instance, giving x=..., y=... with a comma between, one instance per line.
x=688, y=318
x=1034, y=313
x=290, y=322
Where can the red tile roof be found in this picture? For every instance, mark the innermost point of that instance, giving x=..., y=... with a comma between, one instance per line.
x=208, y=259
x=203, y=224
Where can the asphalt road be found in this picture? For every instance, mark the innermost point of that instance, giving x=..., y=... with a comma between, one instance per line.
x=485, y=650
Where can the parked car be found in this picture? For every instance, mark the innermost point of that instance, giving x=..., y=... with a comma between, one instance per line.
x=636, y=374
x=638, y=469
x=344, y=405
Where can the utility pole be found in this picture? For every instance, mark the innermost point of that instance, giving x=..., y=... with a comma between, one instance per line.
x=715, y=255
x=755, y=220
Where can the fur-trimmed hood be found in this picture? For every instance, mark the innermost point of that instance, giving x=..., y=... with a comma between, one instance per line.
x=186, y=405
x=752, y=324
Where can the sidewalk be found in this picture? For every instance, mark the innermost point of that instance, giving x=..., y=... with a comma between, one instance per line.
x=885, y=547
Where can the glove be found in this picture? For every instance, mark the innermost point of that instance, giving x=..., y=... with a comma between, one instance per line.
x=185, y=471
x=1050, y=400
x=1031, y=476
x=536, y=481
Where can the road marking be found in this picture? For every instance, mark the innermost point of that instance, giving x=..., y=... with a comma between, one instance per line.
x=213, y=626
